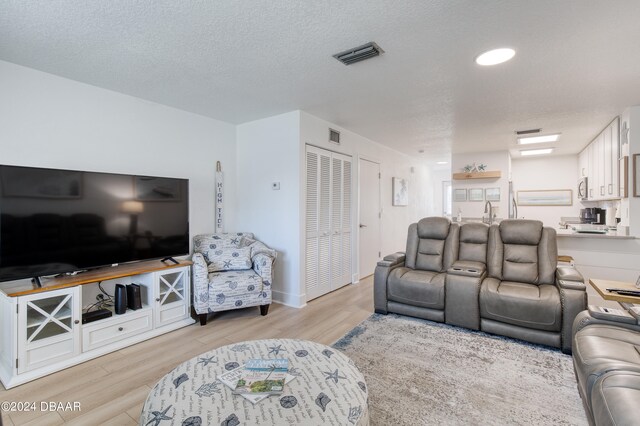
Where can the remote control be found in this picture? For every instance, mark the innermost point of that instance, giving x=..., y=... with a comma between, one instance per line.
x=624, y=292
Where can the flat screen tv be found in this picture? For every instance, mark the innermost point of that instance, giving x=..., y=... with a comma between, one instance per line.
x=58, y=221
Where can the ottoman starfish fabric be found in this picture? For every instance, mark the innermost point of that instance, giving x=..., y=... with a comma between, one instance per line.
x=328, y=389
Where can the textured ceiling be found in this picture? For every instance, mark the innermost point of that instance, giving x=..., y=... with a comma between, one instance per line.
x=577, y=63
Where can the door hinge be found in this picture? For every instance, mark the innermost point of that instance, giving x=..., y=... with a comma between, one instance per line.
x=379, y=215
x=17, y=309
x=16, y=362
x=379, y=254
x=379, y=175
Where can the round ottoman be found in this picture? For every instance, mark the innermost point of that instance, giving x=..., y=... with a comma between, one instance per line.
x=328, y=389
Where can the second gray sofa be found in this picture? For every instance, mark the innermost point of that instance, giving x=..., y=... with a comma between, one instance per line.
x=501, y=279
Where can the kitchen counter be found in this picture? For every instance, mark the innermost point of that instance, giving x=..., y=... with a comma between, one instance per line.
x=570, y=233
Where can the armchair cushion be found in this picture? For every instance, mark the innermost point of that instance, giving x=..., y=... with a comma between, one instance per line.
x=525, y=305
x=230, y=259
x=233, y=285
x=416, y=287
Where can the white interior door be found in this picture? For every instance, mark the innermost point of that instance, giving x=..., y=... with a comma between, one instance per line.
x=328, y=221
x=340, y=220
x=318, y=278
x=369, y=226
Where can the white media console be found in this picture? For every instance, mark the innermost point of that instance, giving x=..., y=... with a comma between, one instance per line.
x=41, y=328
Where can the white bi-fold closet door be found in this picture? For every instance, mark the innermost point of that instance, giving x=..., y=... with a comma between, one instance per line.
x=328, y=221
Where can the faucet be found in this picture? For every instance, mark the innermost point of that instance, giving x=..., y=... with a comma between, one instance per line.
x=489, y=210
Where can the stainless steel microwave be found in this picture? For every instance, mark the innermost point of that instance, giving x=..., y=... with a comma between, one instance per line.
x=583, y=188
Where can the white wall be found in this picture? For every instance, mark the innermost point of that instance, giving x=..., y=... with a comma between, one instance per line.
x=269, y=151
x=538, y=173
x=273, y=149
x=495, y=161
x=395, y=219
x=49, y=121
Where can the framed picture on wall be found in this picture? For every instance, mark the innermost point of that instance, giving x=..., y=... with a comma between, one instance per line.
x=492, y=194
x=546, y=197
x=476, y=194
x=400, y=192
x=460, y=195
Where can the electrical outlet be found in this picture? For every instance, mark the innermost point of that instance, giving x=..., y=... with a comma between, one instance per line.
x=275, y=186
x=100, y=297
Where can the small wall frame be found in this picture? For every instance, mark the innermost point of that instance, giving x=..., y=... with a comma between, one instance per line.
x=459, y=194
x=476, y=194
x=492, y=194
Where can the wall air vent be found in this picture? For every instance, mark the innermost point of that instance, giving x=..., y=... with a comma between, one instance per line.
x=527, y=132
x=334, y=136
x=360, y=53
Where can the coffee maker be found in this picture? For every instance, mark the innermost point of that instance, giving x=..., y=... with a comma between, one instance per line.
x=593, y=215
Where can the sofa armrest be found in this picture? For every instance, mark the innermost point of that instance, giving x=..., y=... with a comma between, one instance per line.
x=585, y=319
x=383, y=269
x=568, y=273
x=467, y=268
x=392, y=259
x=200, y=277
x=573, y=297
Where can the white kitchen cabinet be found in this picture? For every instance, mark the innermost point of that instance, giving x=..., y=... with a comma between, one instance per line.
x=599, y=163
x=615, y=158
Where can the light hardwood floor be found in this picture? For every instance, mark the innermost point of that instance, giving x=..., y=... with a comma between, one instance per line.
x=112, y=389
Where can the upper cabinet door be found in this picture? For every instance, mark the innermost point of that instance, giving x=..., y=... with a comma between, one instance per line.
x=583, y=163
x=607, y=169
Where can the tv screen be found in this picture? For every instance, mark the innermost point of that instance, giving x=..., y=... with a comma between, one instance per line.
x=56, y=221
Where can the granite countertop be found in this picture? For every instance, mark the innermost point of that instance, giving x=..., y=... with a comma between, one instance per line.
x=570, y=233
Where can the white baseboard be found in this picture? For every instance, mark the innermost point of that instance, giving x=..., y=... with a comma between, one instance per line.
x=289, y=299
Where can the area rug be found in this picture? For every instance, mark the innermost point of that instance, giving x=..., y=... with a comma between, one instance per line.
x=424, y=373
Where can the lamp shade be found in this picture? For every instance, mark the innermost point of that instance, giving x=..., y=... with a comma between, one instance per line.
x=132, y=207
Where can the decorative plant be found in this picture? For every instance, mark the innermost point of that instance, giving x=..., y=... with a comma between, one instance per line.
x=472, y=168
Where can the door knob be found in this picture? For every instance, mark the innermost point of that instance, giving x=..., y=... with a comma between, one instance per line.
x=363, y=226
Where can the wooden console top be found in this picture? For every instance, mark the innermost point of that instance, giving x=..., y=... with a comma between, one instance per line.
x=601, y=287
x=24, y=287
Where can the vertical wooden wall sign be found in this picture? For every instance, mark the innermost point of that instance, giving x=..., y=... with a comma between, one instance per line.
x=219, y=197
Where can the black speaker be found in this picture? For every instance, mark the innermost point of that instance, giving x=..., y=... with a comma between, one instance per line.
x=121, y=299
x=134, y=300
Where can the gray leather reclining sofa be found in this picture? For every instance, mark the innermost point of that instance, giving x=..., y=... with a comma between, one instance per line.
x=606, y=358
x=502, y=279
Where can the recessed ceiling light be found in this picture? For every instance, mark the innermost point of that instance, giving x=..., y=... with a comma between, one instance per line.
x=538, y=139
x=536, y=151
x=442, y=162
x=495, y=56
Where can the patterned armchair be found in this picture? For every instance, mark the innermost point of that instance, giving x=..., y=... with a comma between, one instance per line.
x=231, y=271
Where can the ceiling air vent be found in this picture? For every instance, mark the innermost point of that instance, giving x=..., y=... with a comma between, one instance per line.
x=334, y=136
x=360, y=53
x=527, y=132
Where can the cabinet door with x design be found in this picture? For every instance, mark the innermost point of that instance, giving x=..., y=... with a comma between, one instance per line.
x=48, y=328
x=172, y=296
